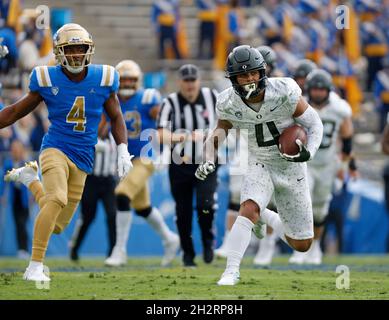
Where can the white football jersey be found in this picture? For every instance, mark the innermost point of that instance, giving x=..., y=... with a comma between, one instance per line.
x=263, y=126
x=332, y=115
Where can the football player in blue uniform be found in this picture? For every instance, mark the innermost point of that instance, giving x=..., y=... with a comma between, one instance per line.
x=76, y=92
x=140, y=108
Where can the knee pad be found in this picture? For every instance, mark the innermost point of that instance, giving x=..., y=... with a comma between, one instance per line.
x=144, y=212
x=122, y=202
x=58, y=197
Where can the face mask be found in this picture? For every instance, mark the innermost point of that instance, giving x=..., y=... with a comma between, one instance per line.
x=74, y=70
x=126, y=92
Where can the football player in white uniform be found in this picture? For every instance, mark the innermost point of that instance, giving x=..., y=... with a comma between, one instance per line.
x=236, y=180
x=335, y=114
x=264, y=108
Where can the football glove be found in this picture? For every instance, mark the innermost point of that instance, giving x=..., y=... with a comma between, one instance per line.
x=205, y=169
x=3, y=49
x=124, y=160
x=302, y=156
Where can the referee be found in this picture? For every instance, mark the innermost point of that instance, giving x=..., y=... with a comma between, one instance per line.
x=191, y=108
x=100, y=185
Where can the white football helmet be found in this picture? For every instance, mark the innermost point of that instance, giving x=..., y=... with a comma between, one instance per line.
x=129, y=69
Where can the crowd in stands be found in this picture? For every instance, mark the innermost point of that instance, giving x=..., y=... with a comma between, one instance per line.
x=353, y=49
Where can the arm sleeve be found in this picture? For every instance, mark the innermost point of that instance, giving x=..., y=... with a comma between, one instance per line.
x=311, y=121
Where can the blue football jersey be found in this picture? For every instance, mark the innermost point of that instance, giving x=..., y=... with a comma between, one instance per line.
x=74, y=109
x=136, y=113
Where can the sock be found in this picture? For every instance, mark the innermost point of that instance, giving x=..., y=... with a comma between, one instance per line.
x=238, y=241
x=123, y=225
x=157, y=222
x=43, y=228
x=315, y=245
x=273, y=220
x=35, y=264
x=225, y=240
x=268, y=239
x=27, y=178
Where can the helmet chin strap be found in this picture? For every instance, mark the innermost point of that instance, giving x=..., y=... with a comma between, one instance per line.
x=249, y=88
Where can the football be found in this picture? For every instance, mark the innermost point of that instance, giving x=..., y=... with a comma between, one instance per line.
x=287, y=141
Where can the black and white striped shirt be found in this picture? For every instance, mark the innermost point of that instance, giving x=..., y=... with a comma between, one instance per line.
x=179, y=115
x=105, y=157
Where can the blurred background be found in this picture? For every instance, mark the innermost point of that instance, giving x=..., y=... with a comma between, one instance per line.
x=347, y=38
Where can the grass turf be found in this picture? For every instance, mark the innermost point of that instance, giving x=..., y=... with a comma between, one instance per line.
x=142, y=278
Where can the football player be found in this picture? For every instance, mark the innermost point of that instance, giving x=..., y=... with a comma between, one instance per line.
x=75, y=92
x=303, y=67
x=267, y=244
x=264, y=108
x=335, y=114
x=140, y=108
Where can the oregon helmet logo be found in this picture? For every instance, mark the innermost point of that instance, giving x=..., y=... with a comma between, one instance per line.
x=244, y=67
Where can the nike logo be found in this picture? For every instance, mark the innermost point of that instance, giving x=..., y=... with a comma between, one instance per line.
x=298, y=180
x=283, y=100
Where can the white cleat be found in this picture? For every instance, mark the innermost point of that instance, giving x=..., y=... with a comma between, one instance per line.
x=265, y=253
x=171, y=248
x=221, y=252
x=259, y=229
x=314, y=254
x=297, y=257
x=35, y=274
x=118, y=258
x=25, y=174
x=229, y=278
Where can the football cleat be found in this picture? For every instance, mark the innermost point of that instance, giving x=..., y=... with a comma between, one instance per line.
x=171, y=247
x=314, y=255
x=118, y=258
x=229, y=278
x=297, y=257
x=25, y=175
x=35, y=274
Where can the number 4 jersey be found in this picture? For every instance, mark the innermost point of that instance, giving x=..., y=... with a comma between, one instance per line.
x=265, y=125
x=74, y=109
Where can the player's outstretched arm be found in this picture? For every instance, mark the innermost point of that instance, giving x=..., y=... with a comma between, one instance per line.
x=19, y=109
x=306, y=116
x=119, y=132
x=211, y=145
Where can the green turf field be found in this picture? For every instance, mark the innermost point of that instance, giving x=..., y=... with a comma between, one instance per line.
x=142, y=278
